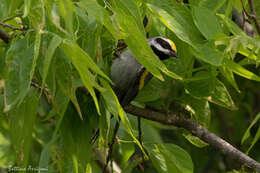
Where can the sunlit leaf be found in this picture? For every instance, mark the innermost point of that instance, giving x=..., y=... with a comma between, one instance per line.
x=195, y=140
x=241, y=71
x=55, y=42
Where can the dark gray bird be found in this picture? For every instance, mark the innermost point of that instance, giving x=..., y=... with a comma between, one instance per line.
x=130, y=76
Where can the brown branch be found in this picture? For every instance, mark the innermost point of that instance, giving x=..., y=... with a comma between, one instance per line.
x=100, y=161
x=4, y=36
x=110, y=147
x=197, y=130
x=252, y=8
x=252, y=15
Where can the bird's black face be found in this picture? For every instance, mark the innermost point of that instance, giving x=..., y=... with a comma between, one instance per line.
x=163, y=48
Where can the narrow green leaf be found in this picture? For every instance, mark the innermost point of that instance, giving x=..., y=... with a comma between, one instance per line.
x=22, y=122
x=36, y=49
x=222, y=97
x=94, y=9
x=228, y=74
x=27, y=7
x=206, y=22
x=131, y=165
x=234, y=29
x=83, y=63
x=247, y=133
x=195, y=140
x=55, y=42
x=81, y=59
x=66, y=8
x=241, y=71
x=45, y=156
x=256, y=138
x=75, y=164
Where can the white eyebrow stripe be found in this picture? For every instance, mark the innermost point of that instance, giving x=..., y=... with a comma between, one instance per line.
x=158, y=46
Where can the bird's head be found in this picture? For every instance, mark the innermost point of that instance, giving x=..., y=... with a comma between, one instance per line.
x=164, y=48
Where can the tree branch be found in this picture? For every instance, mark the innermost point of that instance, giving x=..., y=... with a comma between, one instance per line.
x=252, y=15
x=110, y=147
x=4, y=36
x=197, y=130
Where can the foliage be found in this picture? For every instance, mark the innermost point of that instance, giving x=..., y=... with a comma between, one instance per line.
x=55, y=86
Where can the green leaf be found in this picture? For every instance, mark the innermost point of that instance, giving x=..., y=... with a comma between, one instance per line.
x=206, y=22
x=199, y=108
x=22, y=122
x=103, y=16
x=169, y=158
x=66, y=82
x=241, y=71
x=131, y=165
x=256, y=138
x=36, y=49
x=27, y=6
x=228, y=74
x=176, y=17
x=247, y=133
x=203, y=86
x=233, y=28
x=208, y=53
x=55, y=42
x=195, y=140
x=222, y=97
x=128, y=149
x=66, y=9
x=83, y=63
x=19, y=62
x=45, y=156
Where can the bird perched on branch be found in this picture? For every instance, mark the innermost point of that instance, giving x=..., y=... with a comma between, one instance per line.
x=130, y=76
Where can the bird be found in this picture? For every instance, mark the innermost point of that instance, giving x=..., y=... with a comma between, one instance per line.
x=129, y=76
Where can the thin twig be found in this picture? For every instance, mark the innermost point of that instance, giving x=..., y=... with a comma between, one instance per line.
x=252, y=15
x=100, y=161
x=197, y=130
x=252, y=8
x=110, y=147
x=140, y=135
x=12, y=27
